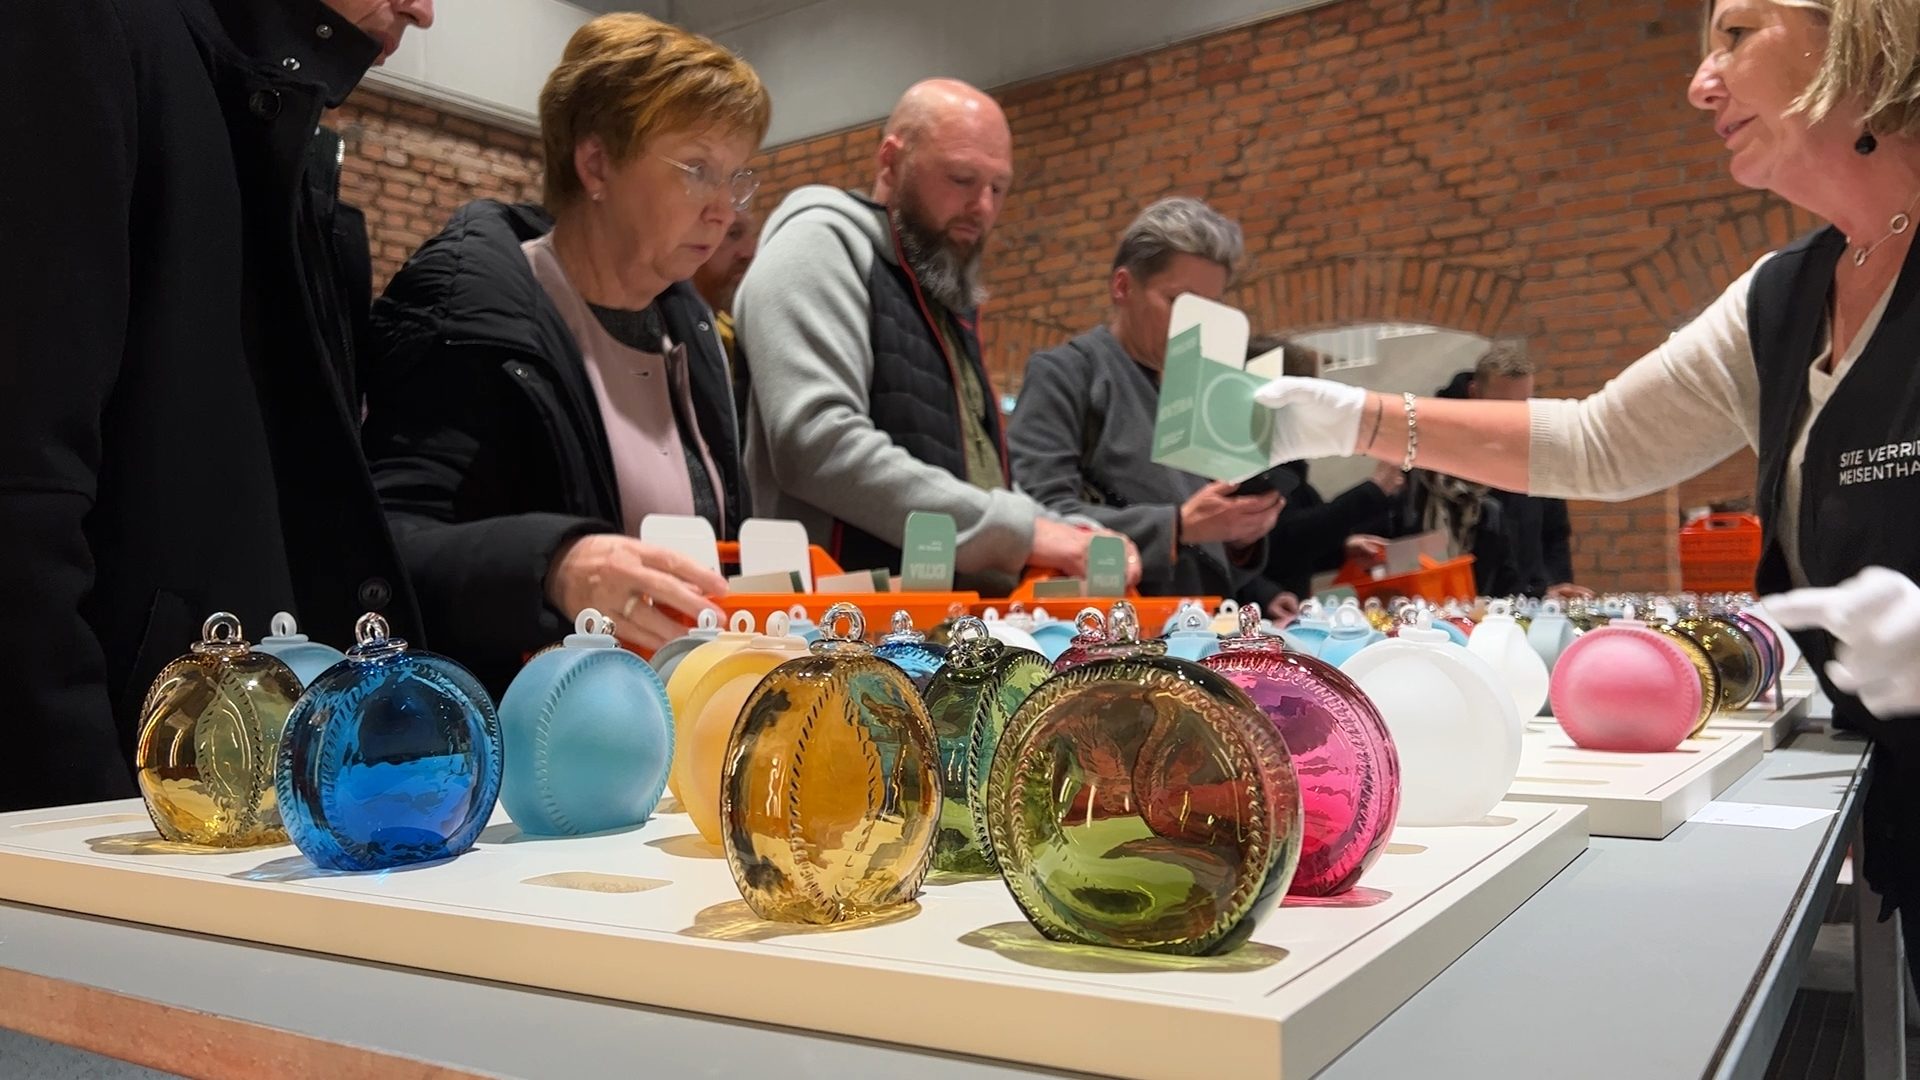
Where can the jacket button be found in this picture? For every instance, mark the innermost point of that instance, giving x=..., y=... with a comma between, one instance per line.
x=375, y=593
x=264, y=104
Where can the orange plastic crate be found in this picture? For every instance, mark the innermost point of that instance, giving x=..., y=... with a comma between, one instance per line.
x=1154, y=611
x=926, y=608
x=1719, y=553
x=1435, y=580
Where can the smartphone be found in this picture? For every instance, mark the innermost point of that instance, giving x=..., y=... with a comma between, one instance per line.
x=1277, y=479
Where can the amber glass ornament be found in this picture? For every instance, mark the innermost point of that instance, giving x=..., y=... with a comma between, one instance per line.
x=210, y=741
x=830, y=790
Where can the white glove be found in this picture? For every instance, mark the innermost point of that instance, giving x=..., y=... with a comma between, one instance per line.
x=1312, y=418
x=1874, y=618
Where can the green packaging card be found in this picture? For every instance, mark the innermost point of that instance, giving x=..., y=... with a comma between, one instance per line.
x=926, y=559
x=1208, y=422
x=1106, y=566
x=1066, y=588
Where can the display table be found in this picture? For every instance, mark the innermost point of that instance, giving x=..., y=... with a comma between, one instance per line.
x=1692, y=944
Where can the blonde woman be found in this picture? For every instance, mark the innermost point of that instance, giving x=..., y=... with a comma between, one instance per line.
x=546, y=377
x=1809, y=358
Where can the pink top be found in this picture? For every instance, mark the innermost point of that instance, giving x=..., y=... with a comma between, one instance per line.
x=631, y=385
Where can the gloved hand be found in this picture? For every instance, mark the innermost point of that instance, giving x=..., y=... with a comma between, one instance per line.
x=1874, y=618
x=1313, y=418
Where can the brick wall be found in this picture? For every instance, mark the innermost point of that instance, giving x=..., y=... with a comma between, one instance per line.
x=1506, y=167
x=410, y=167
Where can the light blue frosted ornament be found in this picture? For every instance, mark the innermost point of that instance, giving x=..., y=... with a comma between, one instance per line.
x=1309, y=629
x=1054, y=636
x=1551, y=632
x=1180, y=613
x=1192, y=638
x=588, y=735
x=800, y=625
x=910, y=651
x=391, y=757
x=1348, y=633
x=668, y=656
x=307, y=659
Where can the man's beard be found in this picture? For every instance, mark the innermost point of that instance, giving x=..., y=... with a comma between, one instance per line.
x=948, y=272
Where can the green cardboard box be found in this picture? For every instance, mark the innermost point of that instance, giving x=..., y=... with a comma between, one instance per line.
x=1208, y=422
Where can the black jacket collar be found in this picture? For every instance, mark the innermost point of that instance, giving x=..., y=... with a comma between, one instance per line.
x=305, y=38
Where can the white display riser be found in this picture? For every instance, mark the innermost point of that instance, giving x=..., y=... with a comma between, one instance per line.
x=1643, y=796
x=1774, y=722
x=652, y=916
x=1800, y=680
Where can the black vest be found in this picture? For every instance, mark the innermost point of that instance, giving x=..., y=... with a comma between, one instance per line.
x=1861, y=479
x=915, y=393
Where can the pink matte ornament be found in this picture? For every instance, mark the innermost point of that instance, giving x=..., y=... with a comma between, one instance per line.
x=1627, y=688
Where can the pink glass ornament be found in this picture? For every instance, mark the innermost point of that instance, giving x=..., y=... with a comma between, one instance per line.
x=1628, y=688
x=1090, y=632
x=1349, y=773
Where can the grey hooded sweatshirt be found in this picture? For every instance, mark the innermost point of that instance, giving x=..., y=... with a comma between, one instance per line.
x=802, y=316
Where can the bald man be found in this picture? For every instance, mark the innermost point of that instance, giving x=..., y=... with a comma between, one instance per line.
x=869, y=400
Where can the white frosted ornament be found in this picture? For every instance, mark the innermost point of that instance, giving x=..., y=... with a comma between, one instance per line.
x=1498, y=639
x=1454, y=723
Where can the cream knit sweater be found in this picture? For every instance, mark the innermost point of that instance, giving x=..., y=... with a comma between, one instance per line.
x=1676, y=412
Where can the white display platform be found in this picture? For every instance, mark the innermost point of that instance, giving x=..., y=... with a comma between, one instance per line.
x=1643, y=796
x=652, y=916
x=1801, y=680
x=1773, y=722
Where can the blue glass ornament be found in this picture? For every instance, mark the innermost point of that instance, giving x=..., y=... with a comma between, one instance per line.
x=668, y=656
x=1192, y=639
x=587, y=734
x=307, y=659
x=911, y=652
x=391, y=757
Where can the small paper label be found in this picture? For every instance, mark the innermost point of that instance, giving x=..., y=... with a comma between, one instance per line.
x=926, y=557
x=689, y=536
x=757, y=584
x=769, y=546
x=1759, y=815
x=857, y=582
x=1403, y=556
x=1066, y=588
x=1106, y=566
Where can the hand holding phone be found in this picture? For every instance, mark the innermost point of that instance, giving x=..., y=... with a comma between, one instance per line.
x=1215, y=514
x=1280, y=479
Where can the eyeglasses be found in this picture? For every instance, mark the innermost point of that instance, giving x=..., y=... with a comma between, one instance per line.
x=702, y=183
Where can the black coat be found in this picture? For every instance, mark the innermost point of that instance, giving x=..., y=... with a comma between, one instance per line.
x=1311, y=535
x=485, y=437
x=1523, y=544
x=172, y=441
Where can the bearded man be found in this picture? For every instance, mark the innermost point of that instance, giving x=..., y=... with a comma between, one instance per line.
x=858, y=320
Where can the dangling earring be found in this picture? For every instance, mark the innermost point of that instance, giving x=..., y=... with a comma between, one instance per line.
x=1865, y=144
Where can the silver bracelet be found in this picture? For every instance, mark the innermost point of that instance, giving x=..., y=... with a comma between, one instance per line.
x=1413, y=434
